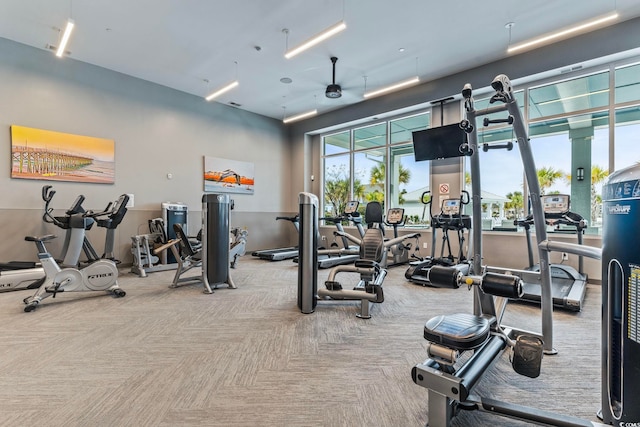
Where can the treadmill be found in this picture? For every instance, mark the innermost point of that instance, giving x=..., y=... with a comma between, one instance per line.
x=568, y=285
x=328, y=258
x=280, y=254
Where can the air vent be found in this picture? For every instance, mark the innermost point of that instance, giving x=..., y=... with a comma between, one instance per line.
x=570, y=70
x=54, y=48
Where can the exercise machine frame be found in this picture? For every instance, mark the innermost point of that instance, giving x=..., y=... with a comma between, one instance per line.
x=450, y=218
x=449, y=387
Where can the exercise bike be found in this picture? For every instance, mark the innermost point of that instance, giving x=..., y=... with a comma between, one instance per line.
x=400, y=253
x=101, y=275
x=24, y=275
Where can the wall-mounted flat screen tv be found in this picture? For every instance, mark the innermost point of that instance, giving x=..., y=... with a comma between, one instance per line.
x=439, y=143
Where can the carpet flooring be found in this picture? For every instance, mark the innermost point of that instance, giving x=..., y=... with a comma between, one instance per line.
x=248, y=357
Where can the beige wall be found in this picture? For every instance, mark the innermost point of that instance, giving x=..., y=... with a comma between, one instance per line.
x=157, y=131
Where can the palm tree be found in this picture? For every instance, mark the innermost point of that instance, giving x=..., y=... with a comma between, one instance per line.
x=547, y=176
x=377, y=181
x=516, y=203
x=598, y=174
x=336, y=189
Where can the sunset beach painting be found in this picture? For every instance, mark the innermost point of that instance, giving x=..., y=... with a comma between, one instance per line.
x=57, y=156
x=228, y=176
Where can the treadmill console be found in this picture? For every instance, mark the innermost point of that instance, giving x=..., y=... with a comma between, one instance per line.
x=555, y=205
x=352, y=206
x=451, y=207
x=395, y=216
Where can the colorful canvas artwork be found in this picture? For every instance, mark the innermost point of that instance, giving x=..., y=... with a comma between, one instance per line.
x=228, y=176
x=57, y=156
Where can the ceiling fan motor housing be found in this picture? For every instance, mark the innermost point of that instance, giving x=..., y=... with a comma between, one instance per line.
x=333, y=90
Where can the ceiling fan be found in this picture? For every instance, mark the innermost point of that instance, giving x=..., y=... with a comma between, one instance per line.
x=333, y=90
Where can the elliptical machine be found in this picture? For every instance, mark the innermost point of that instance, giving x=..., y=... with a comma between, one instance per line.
x=101, y=275
x=450, y=218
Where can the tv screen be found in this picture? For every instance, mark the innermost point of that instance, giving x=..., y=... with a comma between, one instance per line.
x=439, y=143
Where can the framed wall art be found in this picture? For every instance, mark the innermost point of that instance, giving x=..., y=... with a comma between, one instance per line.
x=228, y=176
x=57, y=156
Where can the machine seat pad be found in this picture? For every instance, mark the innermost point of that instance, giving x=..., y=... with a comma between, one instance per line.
x=460, y=331
x=366, y=263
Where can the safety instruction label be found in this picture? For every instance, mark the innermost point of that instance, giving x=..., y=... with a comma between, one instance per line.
x=633, y=317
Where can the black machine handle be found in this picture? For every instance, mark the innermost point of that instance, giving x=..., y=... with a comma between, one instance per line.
x=428, y=202
x=47, y=193
x=333, y=219
x=487, y=121
x=464, y=197
x=486, y=147
x=294, y=218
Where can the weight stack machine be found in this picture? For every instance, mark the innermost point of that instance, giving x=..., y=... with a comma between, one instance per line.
x=215, y=241
x=308, y=253
x=621, y=298
x=173, y=213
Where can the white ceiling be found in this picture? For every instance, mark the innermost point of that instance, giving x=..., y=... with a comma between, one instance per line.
x=182, y=43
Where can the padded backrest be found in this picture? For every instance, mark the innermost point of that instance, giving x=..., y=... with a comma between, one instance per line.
x=156, y=226
x=372, y=247
x=187, y=249
x=373, y=214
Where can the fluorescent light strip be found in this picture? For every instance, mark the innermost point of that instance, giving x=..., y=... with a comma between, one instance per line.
x=331, y=31
x=392, y=87
x=561, y=33
x=65, y=38
x=300, y=116
x=222, y=90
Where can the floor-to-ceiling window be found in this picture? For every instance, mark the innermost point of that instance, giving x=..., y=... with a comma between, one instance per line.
x=375, y=163
x=569, y=130
x=337, y=172
x=627, y=116
x=582, y=125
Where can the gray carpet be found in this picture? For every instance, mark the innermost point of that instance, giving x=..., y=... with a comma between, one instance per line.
x=248, y=357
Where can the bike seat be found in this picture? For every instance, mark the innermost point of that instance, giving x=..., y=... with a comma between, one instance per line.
x=460, y=331
x=40, y=238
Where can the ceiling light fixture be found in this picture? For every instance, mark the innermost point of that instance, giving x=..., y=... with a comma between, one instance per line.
x=329, y=32
x=391, y=88
x=562, y=33
x=300, y=116
x=65, y=38
x=222, y=90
